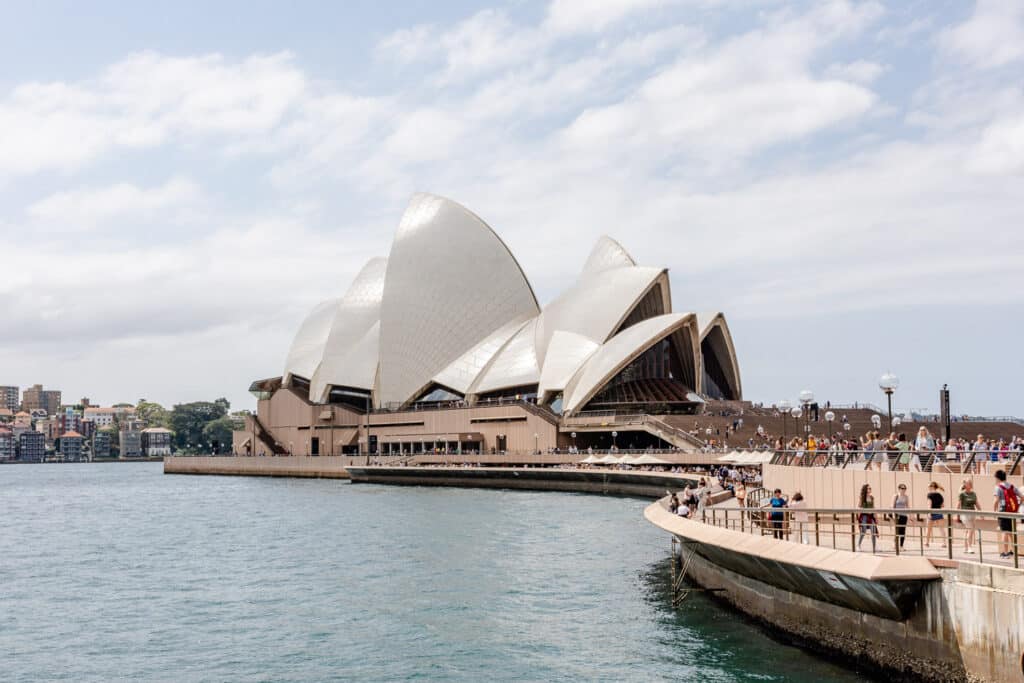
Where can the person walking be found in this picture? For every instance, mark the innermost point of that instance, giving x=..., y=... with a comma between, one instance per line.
x=778, y=513
x=901, y=502
x=968, y=500
x=1008, y=499
x=935, y=502
x=867, y=520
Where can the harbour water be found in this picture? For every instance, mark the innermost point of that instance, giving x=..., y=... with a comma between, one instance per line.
x=117, y=571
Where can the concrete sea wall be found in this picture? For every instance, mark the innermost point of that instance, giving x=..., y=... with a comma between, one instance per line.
x=325, y=467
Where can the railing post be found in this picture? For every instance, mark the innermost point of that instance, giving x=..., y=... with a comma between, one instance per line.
x=949, y=536
x=743, y=516
x=853, y=531
x=1016, y=554
x=817, y=537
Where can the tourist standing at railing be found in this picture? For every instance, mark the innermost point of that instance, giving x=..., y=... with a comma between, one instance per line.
x=935, y=502
x=901, y=502
x=867, y=520
x=1008, y=499
x=740, y=492
x=903, y=453
x=778, y=515
x=968, y=500
x=800, y=520
x=867, y=444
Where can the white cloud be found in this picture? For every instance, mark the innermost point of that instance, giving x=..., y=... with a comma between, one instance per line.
x=859, y=71
x=992, y=37
x=1001, y=147
x=79, y=209
x=141, y=102
x=571, y=16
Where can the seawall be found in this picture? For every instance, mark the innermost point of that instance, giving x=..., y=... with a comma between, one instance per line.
x=615, y=482
x=323, y=467
x=902, y=614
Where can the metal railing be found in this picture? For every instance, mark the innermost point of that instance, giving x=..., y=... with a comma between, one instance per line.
x=965, y=462
x=966, y=535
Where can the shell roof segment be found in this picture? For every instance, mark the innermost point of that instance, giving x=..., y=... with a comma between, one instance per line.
x=351, y=348
x=450, y=281
x=308, y=345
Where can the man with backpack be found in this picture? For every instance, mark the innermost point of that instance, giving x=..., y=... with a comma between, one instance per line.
x=1007, y=500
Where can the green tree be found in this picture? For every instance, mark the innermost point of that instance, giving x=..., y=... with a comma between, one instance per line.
x=218, y=432
x=187, y=421
x=153, y=414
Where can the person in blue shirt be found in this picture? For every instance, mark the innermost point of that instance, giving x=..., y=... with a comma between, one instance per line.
x=778, y=513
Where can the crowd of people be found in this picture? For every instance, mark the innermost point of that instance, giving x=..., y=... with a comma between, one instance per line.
x=787, y=517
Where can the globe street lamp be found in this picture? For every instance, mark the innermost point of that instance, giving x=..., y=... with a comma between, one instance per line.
x=806, y=399
x=829, y=417
x=614, y=435
x=796, y=413
x=784, y=407
x=889, y=383
x=574, y=441
x=876, y=421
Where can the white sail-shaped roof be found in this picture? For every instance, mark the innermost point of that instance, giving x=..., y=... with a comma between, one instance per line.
x=350, y=352
x=460, y=375
x=596, y=305
x=607, y=253
x=566, y=353
x=716, y=341
x=450, y=282
x=514, y=365
x=308, y=346
x=622, y=349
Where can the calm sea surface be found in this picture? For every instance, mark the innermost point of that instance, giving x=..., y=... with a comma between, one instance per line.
x=116, y=571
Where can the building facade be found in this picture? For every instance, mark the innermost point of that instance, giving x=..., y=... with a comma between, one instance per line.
x=37, y=398
x=101, y=443
x=8, y=448
x=9, y=398
x=71, y=447
x=31, y=446
x=443, y=346
x=130, y=439
x=156, y=442
x=104, y=417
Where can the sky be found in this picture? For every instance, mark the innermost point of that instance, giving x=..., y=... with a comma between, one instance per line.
x=181, y=183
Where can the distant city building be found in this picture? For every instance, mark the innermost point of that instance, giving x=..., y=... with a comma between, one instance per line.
x=101, y=443
x=7, y=447
x=31, y=446
x=37, y=398
x=71, y=446
x=156, y=441
x=50, y=428
x=9, y=398
x=70, y=421
x=6, y=415
x=104, y=417
x=131, y=441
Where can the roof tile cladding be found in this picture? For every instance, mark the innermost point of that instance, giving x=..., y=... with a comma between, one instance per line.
x=451, y=306
x=352, y=344
x=450, y=282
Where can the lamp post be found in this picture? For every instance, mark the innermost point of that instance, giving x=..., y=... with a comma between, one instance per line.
x=574, y=442
x=796, y=412
x=806, y=399
x=614, y=436
x=536, y=443
x=888, y=383
x=829, y=417
x=659, y=440
x=784, y=407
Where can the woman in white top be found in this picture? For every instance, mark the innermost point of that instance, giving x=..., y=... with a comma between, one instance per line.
x=800, y=520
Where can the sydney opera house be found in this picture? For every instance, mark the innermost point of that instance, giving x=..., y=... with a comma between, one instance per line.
x=442, y=346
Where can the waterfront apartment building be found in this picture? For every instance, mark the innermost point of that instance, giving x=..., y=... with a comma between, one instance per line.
x=9, y=398
x=50, y=428
x=131, y=442
x=104, y=417
x=156, y=441
x=7, y=449
x=31, y=446
x=101, y=443
x=71, y=446
x=37, y=398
